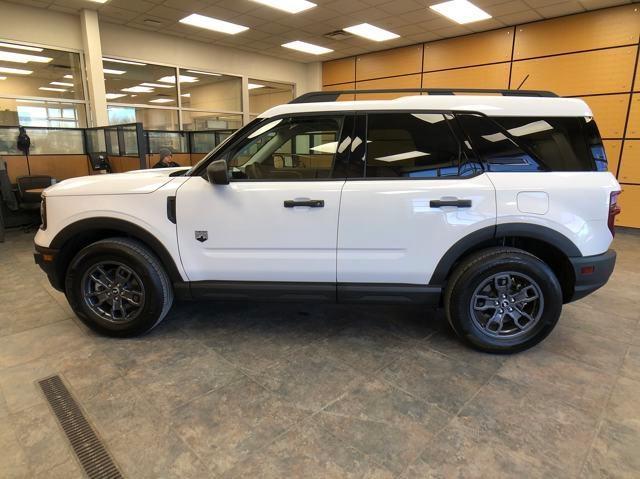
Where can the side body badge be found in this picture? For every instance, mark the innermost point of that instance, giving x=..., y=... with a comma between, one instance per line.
x=202, y=236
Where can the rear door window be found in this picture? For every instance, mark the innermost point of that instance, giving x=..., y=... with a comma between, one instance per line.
x=533, y=144
x=411, y=145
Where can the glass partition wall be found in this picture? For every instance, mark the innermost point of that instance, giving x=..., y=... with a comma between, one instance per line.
x=41, y=87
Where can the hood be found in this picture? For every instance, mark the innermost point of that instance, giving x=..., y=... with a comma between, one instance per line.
x=137, y=182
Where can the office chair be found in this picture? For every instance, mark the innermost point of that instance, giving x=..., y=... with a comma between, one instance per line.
x=30, y=189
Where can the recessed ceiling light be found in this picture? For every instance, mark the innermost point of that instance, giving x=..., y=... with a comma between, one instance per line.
x=113, y=96
x=15, y=71
x=213, y=24
x=70, y=77
x=113, y=72
x=51, y=89
x=371, y=32
x=138, y=89
x=186, y=95
x=204, y=73
x=291, y=6
x=127, y=62
x=307, y=47
x=460, y=11
x=156, y=85
x=60, y=83
x=20, y=47
x=183, y=79
x=23, y=57
x=253, y=86
x=161, y=100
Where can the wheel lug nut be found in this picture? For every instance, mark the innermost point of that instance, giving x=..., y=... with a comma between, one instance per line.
x=513, y=300
x=496, y=303
x=510, y=309
x=501, y=311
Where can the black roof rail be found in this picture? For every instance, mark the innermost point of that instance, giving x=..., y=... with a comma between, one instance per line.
x=320, y=96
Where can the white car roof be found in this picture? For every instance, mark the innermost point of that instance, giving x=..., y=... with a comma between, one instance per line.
x=489, y=105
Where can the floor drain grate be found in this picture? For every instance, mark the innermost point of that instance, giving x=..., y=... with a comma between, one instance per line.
x=90, y=451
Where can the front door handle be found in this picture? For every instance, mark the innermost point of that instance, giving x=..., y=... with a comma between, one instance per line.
x=310, y=203
x=454, y=202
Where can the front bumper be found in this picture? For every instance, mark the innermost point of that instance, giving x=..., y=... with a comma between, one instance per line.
x=591, y=272
x=46, y=259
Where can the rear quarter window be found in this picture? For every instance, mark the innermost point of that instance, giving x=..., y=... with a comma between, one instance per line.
x=535, y=144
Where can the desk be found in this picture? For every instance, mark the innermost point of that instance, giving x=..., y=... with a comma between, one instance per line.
x=35, y=191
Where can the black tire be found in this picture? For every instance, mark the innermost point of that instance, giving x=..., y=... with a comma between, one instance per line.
x=493, y=268
x=155, y=294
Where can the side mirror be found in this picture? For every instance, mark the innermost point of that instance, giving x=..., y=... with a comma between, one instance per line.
x=218, y=173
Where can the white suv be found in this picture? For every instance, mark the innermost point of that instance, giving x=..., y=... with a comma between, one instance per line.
x=500, y=208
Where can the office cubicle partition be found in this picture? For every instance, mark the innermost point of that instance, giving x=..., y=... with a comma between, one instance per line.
x=70, y=152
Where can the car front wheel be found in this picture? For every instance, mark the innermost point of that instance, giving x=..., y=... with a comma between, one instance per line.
x=503, y=300
x=118, y=287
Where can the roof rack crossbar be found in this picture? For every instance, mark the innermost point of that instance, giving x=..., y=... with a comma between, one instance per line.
x=329, y=96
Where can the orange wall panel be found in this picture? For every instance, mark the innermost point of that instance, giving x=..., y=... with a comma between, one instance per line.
x=59, y=167
x=633, y=128
x=630, y=166
x=339, y=71
x=612, y=149
x=487, y=76
x=629, y=201
x=602, y=71
x=407, y=81
x=399, y=61
x=610, y=113
x=16, y=166
x=478, y=49
x=342, y=86
x=600, y=29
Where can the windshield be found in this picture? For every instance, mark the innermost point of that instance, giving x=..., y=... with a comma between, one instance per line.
x=225, y=142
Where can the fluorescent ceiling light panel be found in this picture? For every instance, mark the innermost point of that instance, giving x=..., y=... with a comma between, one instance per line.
x=70, y=77
x=213, y=24
x=23, y=57
x=126, y=62
x=156, y=85
x=290, y=6
x=3, y=78
x=307, y=47
x=205, y=73
x=60, y=83
x=183, y=79
x=186, y=95
x=20, y=47
x=113, y=72
x=51, y=89
x=99, y=1
x=138, y=89
x=402, y=156
x=460, y=11
x=253, y=86
x=113, y=96
x=371, y=32
x=15, y=71
x=161, y=100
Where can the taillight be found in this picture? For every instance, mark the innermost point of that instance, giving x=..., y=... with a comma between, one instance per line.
x=614, y=209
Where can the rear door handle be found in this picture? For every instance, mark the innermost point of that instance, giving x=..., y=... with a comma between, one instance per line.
x=310, y=203
x=455, y=202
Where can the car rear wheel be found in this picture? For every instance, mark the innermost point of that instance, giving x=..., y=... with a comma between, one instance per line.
x=118, y=287
x=503, y=300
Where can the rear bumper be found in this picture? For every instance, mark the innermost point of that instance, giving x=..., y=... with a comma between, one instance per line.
x=591, y=273
x=46, y=259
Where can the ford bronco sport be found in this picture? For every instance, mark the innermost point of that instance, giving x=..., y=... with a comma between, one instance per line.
x=498, y=207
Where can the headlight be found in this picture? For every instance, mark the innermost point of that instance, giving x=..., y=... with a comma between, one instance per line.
x=43, y=213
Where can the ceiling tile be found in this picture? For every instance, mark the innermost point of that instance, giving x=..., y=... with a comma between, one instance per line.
x=397, y=7
x=342, y=6
x=167, y=13
x=507, y=8
x=134, y=6
x=595, y=4
x=560, y=9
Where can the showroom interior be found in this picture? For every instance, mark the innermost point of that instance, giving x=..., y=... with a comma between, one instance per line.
x=91, y=89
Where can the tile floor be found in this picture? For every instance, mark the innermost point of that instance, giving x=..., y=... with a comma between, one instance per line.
x=274, y=391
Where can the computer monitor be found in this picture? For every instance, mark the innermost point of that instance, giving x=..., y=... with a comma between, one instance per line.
x=99, y=160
